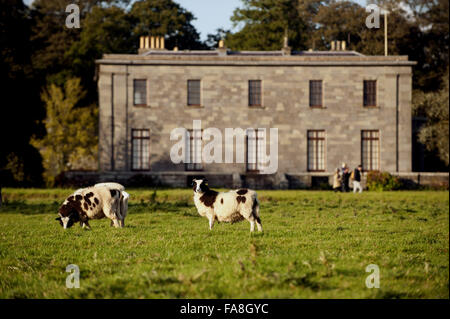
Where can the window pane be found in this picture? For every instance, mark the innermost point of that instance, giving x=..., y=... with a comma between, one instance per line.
x=316, y=150
x=140, y=157
x=370, y=152
x=140, y=92
x=252, y=149
x=193, y=92
x=254, y=93
x=370, y=93
x=315, y=93
x=194, y=150
x=136, y=151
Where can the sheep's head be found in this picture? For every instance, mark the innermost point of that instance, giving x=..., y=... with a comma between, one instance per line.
x=200, y=185
x=68, y=214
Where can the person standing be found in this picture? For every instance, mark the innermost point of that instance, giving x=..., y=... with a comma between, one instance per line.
x=357, y=179
x=344, y=165
x=336, y=180
x=345, y=180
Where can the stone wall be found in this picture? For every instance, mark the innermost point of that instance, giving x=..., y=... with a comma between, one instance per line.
x=216, y=180
x=285, y=96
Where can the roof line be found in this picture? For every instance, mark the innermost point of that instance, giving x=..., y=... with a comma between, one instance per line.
x=256, y=63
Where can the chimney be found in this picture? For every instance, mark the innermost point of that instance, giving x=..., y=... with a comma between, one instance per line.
x=147, y=43
x=286, y=48
x=222, y=49
x=338, y=46
x=152, y=42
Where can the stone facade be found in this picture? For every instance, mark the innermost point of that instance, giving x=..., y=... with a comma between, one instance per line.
x=285, y=105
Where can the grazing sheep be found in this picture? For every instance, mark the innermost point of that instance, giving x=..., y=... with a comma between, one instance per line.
x=113, y=185
x=232, y=206
x=91, y=203
x=123, y=201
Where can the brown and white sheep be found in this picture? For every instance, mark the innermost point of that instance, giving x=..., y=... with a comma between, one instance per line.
x=123, y=201
x=91, y=203
x=232, y=206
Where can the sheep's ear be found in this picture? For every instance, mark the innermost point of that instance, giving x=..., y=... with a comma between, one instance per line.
x=205, y=180
x=58, y=218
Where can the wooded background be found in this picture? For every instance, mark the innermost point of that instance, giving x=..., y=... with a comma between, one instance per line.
x=48, y=119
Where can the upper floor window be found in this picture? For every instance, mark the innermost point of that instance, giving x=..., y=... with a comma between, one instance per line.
x=370, y=150
x=194, y=150
x=316, y=151
x=140, y=143
x=193, y=93
x=370, y=93
x=254, y=93
x=140, y=92
x=315, y=93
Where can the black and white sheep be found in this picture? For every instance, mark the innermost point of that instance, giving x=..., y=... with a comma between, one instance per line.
x=123, y=201
x=232, y=206
x=91, y=203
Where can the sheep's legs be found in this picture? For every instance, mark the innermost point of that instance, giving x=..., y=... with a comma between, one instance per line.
x=252, y=226
x=85, y=225
x=211, y=223
x=115, y=223
x=255, y=214
x=258, y=224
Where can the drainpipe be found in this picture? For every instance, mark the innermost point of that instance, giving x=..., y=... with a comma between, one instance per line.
x=112, y=121
x=127, y=164
x=396, y=122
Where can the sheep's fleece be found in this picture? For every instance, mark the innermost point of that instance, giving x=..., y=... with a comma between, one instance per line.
x=91, y=203
x=232, y=206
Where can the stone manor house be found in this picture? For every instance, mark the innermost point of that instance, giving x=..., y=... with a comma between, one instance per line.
x=329, y=107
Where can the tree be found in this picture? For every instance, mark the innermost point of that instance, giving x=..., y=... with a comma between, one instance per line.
x=71, y=132
x=165, y=18
x=434, y=106
x=105, y=30
x=19, y=162
x=273, y=19
x=433, y=17
x=212, y=40
x=343, y=21
x=428, y=44
x=51, y=39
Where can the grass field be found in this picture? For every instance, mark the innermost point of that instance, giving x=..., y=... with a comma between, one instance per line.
x=314, y=245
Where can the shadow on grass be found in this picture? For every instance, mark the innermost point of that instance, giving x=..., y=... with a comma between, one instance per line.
x=21, y=207
x=24, y=208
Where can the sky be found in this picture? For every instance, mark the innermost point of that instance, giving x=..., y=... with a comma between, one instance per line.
x=212, y=14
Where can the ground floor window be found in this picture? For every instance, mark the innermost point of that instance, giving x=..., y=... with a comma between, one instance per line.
x=316, y=150
x=370, y=150
x=140, y=149
x=194, y=150
x=256, y=148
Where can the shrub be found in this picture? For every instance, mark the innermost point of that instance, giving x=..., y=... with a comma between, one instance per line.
x=382, y=181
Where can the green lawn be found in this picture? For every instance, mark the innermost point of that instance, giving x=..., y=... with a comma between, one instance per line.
x=314, y=245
